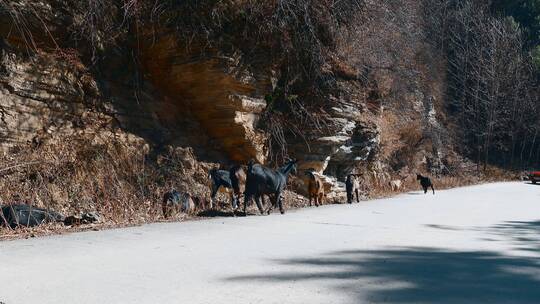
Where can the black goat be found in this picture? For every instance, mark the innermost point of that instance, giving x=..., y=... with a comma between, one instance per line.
x=28, y=216
x=425, y=182
x=262, y=180
x=352, y=185
x=220, y=178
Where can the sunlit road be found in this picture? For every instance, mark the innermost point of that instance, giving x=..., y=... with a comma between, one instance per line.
x=470, y=245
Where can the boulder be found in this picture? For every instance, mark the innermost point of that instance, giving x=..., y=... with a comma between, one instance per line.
x=27, y=216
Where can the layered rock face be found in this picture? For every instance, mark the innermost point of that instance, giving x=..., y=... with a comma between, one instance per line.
x=44, y=95
x=214, y=88
x=187, y=95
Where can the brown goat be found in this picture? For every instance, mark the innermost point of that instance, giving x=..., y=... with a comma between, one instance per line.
x=238, y=181
x=315, y=189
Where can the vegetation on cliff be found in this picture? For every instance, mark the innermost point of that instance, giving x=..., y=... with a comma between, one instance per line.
x=108, y=103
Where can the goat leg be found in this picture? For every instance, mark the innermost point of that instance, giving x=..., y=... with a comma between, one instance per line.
x=280, y=202
x=247, y=198
x=234, y=203
x=258, y=201
x=271, y=207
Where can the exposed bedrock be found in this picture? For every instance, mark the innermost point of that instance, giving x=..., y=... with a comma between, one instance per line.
x=223, y=95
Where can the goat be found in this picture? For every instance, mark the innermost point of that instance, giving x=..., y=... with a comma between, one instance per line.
x=174, y=201
x=238, y=181
x=262, y=180
x=395, y=185
x=219, y=179
x=425, y=182
x=352, y=185
x=27, y=216
x=315, y=188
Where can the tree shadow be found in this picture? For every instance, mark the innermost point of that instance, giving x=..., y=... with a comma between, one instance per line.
x=524, y=235
x=418, y=275
x=429, y=275
x=444, y=227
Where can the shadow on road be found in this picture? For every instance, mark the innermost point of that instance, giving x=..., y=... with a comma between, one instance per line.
x=419, y=275
x=523, y=235
x=415, y=193
x=444, y=227
x=216, y=213
x=221, y=213
x=427, y=275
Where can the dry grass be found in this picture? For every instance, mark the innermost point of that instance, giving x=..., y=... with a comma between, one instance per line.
x=466, y=178
x=114, y=178
x=77, y=175
x=109, y=174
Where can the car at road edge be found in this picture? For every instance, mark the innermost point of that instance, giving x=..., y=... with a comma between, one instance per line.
x=534, y=176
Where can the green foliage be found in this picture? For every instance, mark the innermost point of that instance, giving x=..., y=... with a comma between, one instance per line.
x=535, y=53
x=526, y=13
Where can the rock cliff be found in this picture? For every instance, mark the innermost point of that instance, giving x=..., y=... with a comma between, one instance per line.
x=182, y=104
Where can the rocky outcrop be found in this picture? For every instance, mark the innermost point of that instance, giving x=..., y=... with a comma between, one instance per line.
x=176, y=107
x=41, y=94
x=217, y=89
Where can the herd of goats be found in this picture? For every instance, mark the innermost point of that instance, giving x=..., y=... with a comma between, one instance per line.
x=257, y=180
x=252, y=182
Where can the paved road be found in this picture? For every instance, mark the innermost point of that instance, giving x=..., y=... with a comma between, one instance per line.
x=471, y=245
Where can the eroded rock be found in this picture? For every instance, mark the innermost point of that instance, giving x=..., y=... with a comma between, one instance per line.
x=221, y=93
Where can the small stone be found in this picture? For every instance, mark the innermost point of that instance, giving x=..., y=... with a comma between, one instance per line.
x=91, y=217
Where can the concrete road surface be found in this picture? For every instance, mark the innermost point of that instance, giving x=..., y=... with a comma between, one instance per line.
x=470, y=245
